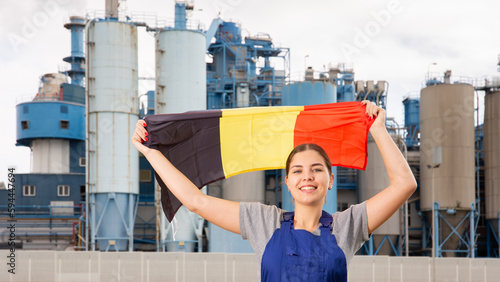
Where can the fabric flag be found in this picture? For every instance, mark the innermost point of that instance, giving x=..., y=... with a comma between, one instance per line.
x=211, y=145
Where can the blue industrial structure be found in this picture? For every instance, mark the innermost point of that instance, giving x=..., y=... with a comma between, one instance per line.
x=466, y=246
x=412, y=121
x=344, y=77
x=52, y=124
x=240, y=74
x=77, y=58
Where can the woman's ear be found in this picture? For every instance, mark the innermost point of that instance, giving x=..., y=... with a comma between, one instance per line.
x=332, y=177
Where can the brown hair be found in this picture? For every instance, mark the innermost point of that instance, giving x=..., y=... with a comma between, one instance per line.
x=306, y=147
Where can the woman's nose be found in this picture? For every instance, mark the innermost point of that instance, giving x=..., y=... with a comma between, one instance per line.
x=307, y=176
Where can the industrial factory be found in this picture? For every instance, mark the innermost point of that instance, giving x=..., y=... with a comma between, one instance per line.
x=89, y=189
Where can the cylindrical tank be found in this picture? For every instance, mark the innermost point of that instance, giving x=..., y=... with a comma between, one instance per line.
x=309, y=93
x=113, y=162
x=50, y=156
x=303, y=94
x=229, y=32
x=245, y=187
x=447, y=121
x=412, y=120
x=50, y=86
x=181, y=86
x=491, y=132
x=180, y=71
x=372, y=181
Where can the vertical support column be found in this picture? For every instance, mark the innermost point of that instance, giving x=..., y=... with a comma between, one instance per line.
x=92, y=220
x=370, y=246
x=488, y=239
x=498, y=234
x=435, y=240
x=424, y=233
x=131, y=217
x=472, y=231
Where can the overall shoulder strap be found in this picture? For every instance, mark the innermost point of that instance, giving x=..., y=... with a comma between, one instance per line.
x=288, y=216
x=326, y=222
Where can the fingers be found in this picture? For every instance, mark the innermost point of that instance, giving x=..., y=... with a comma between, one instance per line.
x=372, y=110
x=140, y=131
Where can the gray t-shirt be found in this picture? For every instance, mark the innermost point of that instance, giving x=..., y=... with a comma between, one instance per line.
x=258, y=223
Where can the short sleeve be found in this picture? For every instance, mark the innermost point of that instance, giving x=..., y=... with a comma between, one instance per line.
x=258, y=223
x=351, y=229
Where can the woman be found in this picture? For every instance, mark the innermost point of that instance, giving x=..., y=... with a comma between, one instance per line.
x=308, y=244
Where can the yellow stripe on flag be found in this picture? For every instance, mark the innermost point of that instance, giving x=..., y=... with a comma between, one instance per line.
x=256, y=138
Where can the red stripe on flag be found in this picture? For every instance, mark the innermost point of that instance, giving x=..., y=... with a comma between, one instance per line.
x=339, y=128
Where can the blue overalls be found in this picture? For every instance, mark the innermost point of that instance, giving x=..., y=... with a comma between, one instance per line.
x=298, y=255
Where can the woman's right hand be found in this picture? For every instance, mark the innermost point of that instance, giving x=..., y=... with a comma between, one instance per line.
x=140, y=135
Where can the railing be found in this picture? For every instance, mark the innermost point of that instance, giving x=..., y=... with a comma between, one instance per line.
x=42, y=211
x=150, y=20
x=437, y=78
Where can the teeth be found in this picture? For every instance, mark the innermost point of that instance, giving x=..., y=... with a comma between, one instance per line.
x=307, y=188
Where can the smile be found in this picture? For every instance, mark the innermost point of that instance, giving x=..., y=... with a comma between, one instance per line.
x=307, y=188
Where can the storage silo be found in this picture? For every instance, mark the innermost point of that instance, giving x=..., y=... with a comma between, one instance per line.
x=180, y=71
x=447, y=121
x=112, y=112
x=180, y=86
x=303, y=94
x=492, y=159
x=371, y=181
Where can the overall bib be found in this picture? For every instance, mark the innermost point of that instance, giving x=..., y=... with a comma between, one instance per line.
x=298, y=255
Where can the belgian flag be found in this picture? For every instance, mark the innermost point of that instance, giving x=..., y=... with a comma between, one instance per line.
x=207, y=146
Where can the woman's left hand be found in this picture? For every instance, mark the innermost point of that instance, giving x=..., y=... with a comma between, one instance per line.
x=373, y=111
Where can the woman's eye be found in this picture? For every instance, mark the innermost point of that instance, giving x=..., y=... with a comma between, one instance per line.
x=296, y=171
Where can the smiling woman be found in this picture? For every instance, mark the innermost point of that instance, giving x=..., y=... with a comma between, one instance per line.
x=308, y=244
x=308, y=177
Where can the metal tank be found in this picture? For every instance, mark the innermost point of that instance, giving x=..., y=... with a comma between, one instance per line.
x=302, y=94
x=245, y=187
x=447, y=121
x=309, y=93
x=180, y=86
x=492, y=158
x=50, y=156
x=180, y=71
x=372, y=181
x=112, y=112
x=50, y=86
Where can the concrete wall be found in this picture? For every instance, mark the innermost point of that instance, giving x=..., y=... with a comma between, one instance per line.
x=142, y=266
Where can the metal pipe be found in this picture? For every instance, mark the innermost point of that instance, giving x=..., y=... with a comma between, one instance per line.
x=87, y=71
x=433, y=220
x=472, y=236
x=407, y=248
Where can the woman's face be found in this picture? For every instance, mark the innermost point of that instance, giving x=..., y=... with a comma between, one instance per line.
x=308, y=178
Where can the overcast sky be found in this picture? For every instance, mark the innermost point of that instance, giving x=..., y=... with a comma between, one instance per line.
x=390, y=40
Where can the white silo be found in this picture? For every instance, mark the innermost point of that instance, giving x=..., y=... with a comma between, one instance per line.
x=245, y=187
x=180, y=71
x=373, y=180
x=112, y=112
x=50, y=155
x=447, y=121
x=180, y=87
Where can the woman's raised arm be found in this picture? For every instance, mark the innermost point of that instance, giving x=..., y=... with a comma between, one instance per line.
x=382, y=206
x=220, y=212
